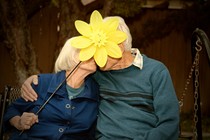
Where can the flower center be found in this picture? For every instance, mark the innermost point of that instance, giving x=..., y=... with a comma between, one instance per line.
x=99, y=38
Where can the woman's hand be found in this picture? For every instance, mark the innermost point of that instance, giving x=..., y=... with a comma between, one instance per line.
x=27, y=91
x=24, y=122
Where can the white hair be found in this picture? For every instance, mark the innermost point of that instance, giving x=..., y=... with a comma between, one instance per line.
x=67, y=58
x=123, y=27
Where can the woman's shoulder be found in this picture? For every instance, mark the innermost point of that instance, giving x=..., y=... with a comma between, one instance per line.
x=50, y=76
x=45, y=75
x=47, y=80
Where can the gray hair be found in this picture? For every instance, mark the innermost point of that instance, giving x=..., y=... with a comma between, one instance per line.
x=67, y=58
x=123, y=27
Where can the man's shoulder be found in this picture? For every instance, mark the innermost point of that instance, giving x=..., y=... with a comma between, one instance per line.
x=153, y=63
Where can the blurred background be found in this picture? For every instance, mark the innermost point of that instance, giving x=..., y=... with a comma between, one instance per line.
x=32, y=33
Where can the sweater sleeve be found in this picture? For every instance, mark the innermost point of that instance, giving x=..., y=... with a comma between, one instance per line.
x=166, y=107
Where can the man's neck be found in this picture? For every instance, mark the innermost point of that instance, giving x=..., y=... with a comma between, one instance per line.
x=126, y=61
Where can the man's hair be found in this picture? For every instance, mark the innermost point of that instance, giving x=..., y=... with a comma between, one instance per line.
x=67, y=58
x=123, y=27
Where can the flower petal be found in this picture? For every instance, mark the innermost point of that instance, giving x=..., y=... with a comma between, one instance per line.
x=100, y=56
x=96, y=20
x=80, y=42
x=87, y=53
x=111, y=25
x=117, y=36
x=113, y=50
x=83, y=28
x=99, y=39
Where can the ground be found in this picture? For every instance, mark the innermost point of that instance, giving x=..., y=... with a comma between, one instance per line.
x=187, y=125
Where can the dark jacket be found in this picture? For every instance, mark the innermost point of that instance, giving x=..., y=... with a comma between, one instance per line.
x=61, y=118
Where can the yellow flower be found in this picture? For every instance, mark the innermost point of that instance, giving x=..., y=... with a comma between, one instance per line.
x=99, y=39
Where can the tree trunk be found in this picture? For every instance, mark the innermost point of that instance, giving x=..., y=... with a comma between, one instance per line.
x=17, y=38
x=107, y=7
x=70, y=11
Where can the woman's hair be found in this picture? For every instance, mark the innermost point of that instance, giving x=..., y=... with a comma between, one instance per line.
x=123, y=27
x=67, y=58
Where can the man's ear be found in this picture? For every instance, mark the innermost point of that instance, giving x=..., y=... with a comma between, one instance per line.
x=122, y=47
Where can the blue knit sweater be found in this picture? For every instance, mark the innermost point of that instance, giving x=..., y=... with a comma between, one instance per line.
x=137, y=104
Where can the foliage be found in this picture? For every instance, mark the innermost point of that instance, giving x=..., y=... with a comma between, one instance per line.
x=184, y=21
x=55, y=3
x=126, y=8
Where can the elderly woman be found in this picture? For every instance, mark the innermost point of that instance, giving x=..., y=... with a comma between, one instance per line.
x=72, y=111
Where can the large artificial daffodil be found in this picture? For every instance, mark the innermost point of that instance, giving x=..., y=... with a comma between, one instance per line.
x=99, y=39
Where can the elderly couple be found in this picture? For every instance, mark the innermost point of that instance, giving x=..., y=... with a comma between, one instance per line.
x=108, y=91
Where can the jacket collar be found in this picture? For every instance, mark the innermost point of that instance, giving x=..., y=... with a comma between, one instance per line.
x=90, y=91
